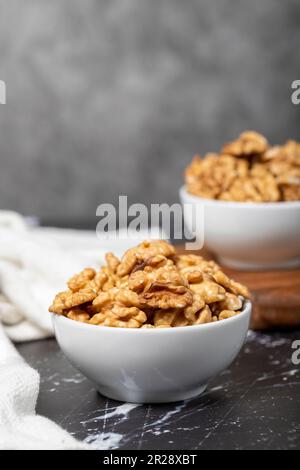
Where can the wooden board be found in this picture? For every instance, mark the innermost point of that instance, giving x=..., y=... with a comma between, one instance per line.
x=275, y=295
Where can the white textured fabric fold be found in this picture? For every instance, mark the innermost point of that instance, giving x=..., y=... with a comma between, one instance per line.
x=20, y=427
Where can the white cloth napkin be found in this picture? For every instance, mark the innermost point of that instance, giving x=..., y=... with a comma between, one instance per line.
x=34, y=265
x=20, y=427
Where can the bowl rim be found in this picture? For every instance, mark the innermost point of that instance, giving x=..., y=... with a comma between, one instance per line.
x=204, y=326
x=237, y=204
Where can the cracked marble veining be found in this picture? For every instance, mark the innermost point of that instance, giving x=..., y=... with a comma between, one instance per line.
x=254, y=404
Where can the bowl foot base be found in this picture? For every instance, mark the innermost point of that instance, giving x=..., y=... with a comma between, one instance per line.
x=140, y=397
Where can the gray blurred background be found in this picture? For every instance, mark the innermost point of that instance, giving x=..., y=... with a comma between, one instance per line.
x=109, y=97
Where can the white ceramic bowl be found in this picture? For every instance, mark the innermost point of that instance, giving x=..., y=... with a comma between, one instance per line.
x=250, y=235
x=152, y=365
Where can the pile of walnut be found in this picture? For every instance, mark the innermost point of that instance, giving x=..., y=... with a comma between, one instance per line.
x=151, y=287
x=247, y=170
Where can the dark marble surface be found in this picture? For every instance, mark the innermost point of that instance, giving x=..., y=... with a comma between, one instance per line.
x=255, y=404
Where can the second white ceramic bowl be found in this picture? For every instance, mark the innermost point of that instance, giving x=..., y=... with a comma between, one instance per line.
x=152, y=365
x=249, y=235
